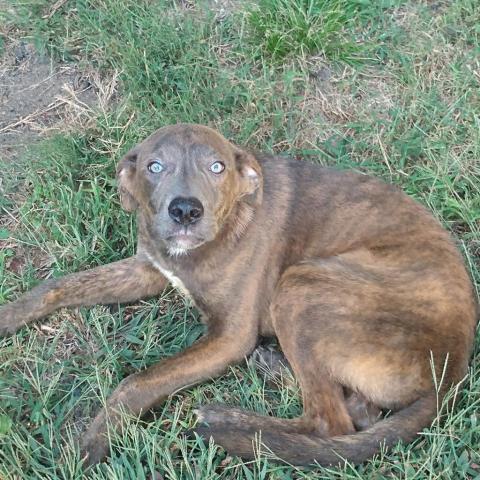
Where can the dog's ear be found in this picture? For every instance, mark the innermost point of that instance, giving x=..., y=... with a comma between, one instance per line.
x=126, y=170
x=249, y=170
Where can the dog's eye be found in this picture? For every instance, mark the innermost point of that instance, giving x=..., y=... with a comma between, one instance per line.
x=217, y=167
x=155, y=167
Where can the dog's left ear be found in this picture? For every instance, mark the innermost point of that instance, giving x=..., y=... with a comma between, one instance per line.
x=250, y=172
x=126, y=170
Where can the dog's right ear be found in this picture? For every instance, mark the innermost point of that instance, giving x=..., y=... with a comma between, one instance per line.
x=126, y=170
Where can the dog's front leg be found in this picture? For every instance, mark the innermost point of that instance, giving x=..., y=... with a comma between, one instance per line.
x=137, y=393
x=122, y=281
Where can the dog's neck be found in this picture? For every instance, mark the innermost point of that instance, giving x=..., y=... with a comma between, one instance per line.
x=242, y=214
x=236, y=224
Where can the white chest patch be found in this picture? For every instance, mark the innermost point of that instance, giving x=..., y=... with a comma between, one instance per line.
x=173, y=279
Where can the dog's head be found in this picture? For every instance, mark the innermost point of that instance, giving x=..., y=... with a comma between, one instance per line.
x=186, y=180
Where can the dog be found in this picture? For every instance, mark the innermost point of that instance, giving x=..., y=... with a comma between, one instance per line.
x=362, y=287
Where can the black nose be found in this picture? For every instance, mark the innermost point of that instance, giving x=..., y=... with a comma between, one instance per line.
x=185, y=210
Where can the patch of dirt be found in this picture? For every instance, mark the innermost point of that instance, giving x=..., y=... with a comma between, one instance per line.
x=346, y=95
x=337, y=96
x=39, y=96
x=35, y=93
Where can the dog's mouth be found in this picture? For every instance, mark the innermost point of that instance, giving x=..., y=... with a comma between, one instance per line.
x=182, y=240
x=179, y=239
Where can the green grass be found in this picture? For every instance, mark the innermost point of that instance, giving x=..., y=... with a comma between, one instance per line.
x=406, y=109
x=288, y=28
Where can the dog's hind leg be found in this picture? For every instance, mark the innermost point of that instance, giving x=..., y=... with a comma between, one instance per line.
x=337, y=321
x=351, y=320
x=122, y=281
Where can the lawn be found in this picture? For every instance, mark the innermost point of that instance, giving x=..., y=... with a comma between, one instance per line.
x=387, y=87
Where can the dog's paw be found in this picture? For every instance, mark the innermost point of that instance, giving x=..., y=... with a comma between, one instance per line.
x=94, y=445
x=225, y=426
x=207, y=417
x=93, y=449
x=202, y=431
x=364, y=414
x=10, y=319
x=213, y=413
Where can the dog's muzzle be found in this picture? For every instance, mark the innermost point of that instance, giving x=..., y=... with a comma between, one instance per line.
x=185, y=211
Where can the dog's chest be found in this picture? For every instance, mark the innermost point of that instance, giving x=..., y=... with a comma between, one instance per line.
x=171, y=277
x=175, y=281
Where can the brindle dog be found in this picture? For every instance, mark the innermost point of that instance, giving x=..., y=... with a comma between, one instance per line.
x=361, y=286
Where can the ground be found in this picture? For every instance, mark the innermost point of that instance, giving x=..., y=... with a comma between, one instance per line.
x=390, y=88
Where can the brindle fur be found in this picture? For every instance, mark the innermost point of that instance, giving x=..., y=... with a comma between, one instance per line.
x=361, y=286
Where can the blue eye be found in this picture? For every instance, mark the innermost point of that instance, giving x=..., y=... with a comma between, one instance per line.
x=155, y=167
x=217, y=167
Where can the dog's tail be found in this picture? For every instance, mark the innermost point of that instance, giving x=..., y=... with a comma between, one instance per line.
x=238, y=431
